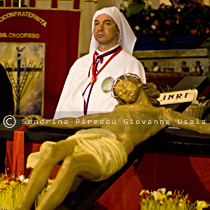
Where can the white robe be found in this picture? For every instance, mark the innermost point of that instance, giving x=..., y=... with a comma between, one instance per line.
x=71, y=102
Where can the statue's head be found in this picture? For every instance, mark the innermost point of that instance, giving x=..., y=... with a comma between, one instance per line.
x=126, y=88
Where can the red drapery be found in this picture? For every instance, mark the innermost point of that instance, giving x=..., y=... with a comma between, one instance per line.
x=59, y=30
x=18, y=166
x=154, y=171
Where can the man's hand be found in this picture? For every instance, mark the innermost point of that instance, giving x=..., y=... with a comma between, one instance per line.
x=33, y=121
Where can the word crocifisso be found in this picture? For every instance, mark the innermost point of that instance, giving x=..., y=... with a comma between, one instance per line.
x=20, y=35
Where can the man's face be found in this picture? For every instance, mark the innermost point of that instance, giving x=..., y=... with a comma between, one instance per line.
x=127, y=91
x=105, y=31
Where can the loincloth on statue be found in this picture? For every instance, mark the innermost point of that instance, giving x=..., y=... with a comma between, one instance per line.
x=100, y=143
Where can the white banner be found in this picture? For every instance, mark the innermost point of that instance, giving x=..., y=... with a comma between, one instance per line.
x=180, y=96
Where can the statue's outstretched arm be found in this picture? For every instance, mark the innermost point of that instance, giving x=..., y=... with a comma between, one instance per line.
x=187, y=122
x=87, y=121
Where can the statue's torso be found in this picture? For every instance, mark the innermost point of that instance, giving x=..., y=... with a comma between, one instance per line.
x=132, y=124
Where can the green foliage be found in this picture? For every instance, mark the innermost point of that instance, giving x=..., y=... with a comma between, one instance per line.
x=134, y=8
x=12, y=189
x=170, y=20
x=160, y=200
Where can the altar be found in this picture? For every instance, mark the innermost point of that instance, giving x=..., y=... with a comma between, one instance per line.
x=176, y=159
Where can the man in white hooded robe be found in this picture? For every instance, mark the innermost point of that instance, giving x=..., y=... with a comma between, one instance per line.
x=79, y=97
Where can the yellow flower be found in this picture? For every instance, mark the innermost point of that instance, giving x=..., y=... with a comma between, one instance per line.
x=5, y=181
x=181, y=203
x=144, y=191
x=159, y=195
x=201, y=205
x=160, y=198
x=13, y=183
x=2, y=186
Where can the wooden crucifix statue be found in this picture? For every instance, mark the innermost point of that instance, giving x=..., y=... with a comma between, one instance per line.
x=101, y=148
